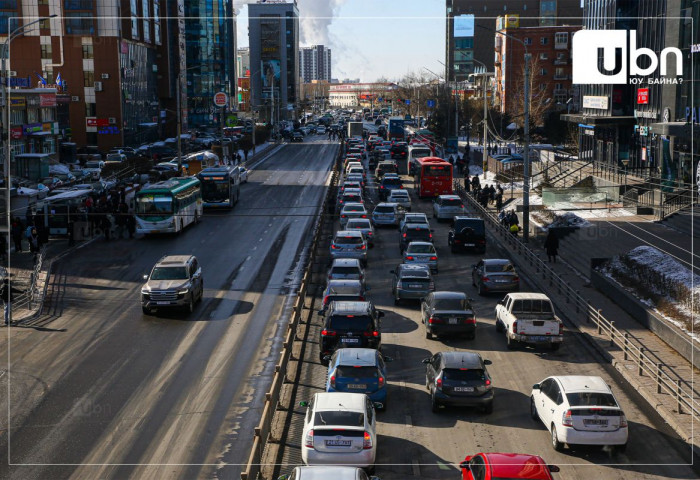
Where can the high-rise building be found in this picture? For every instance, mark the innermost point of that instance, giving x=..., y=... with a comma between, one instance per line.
x=273, y=32
x=315, y=63
x=470, y=28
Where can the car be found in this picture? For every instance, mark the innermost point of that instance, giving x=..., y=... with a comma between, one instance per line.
x=422, y=253
x=413, y=217
x=399, y=150
x=355, y=177
x=346, y=269
x=320, y=130
x=51, y=182
x=297, y=136
x=401, y=197
x=365, y=226
x=579, y=410
x=349, y=184
x=115, y=158
x=387, y=184
x=467, y=233
x=351, y=210
x=495, y=275
x=349, y=195
x=174, y=282
x=411, y=281
x=352, y=164
x=344, y=290
x=356, y=170
x=349, y=244
x=448, y=313
x=339, y=429
x=446, y=207
x=385, y=167
x=495, y=466
x=458, y=379
x=359, y=370
x=243, y=174
x=387, y=214
x=412, y=232
x=327, y=471
x=349, y=325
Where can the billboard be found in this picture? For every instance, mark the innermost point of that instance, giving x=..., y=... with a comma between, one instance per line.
x=271, y=76
x=464, y=26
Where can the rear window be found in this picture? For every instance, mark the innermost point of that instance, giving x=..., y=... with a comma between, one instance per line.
x=344, y=418
x=450, y=304
x=346, y=271
x=353, y=208
x=415, y=274
x=341, y=298
x=358, y=223
x=384, y=209
x=421, y=249
x=399, y=194
x=362, y=372
x=452, y=202
x=467, y=375
x=356, y=323
x=392, y=181
x=591, y=399
x=507, y=267
x=348, y=240
x=531, y=306
x=472, y=226
x=422, y=153
x=351, y=197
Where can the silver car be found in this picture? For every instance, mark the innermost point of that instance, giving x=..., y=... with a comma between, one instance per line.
x=410, y=217
x=349, y=244
x=346, y=269
x=421, y=252
x=447, y=206
x=387, y=214
x=411, y=281
x=401, y=197
x=351, y=210
x=175, y=282
x=365, y=226
x=495, y=275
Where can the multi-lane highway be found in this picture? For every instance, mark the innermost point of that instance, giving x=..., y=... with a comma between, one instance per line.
x=414, y=442
x=103, y=391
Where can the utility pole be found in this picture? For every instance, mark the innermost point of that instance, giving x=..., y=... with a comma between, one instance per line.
x=526, y=153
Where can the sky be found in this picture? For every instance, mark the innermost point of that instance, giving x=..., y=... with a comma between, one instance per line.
x=370, y=39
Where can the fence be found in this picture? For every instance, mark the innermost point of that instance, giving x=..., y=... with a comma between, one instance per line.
x=262, y=431
x=633, y=350
x=26, y=298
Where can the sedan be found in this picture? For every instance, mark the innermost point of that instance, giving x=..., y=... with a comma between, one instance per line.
x=351, y=210
x=445, y=313
x=421, y=253
x=495, y=275
x=493, y=466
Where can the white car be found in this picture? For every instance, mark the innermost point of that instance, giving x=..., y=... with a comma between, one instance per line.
x=243, y=173
x=326, y=472
x=401, y=197
x=579, y=409
x=445, y=207
x=339, y=429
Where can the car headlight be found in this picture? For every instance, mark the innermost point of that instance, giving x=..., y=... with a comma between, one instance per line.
x=183, y=290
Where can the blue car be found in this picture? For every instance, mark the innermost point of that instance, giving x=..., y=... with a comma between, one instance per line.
x=359, y=370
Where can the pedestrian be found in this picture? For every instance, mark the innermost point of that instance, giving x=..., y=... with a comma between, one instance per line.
x=551, y=245
x=34, y=242
x=514, y=229
x=29, y=216
x=499, y=199
x=131, y=223
x=17, y=231
x=467, y=183
x=105, y=224
x=492, y=194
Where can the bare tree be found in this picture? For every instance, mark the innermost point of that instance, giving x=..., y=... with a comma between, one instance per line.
x=540, y=102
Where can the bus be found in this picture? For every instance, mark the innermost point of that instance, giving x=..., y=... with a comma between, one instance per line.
x=396, y=129
x=414, y=153
x=221, y=186
x=433, y=177
x=168, y=206
x=59, y=210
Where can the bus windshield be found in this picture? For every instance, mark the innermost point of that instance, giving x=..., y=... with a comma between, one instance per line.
x=154, y=204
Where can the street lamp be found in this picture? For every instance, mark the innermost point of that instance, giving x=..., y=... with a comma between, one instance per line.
x=6, y=121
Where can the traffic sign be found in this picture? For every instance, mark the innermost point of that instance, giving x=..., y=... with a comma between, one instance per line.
x=220, y=99
x=231, y=120
x=431, y=103
x=408, y=101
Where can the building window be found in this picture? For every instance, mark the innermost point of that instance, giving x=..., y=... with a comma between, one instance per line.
x=80, y=23
x=146, y=22
x=462, y=43
x=90, y=109
x=48, y=114
x=18, y=116
x=88, y=52
x=527, y=41
x=8, y=4
x=46, y=51
x=544, y=40
x=561, y=40
x=543, y=86
x=77, y=4
x=4, y=17
x=49, y=145
x=32, y=115
x=43, y=2
x=544, y=56
x=88, y=78
x=543, y=71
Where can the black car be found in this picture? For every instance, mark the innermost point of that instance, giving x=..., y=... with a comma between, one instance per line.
x=448, y=313
x=388, y=184
x=296, y=136
x=467, y=234
x=399, y=150
x=459, y=379
x=414, y=232
x=350, y=324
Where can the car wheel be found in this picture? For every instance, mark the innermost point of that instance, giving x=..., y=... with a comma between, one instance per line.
x=428, y=335
x=473, y=282
x=146, y=310
x=190, y=304
x=427, y=383
x=434, y=404
x=471, y=336
x=533, y=409
x=488, y=409
x=370, y=470
x=499, y=327
x=556, y=444
x=510, y=343
x=397, y=300
x=554, y=346
x=201, y=292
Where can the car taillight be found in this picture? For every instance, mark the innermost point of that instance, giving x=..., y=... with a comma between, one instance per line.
x=335, y=247
x=515, y=326
x=332, y=381
x=438, y=382
x=325, y=300
x=430, y=235
x=488, y=383
x=309, y=439
x=367, y=443
x=461, y=206
x=470, y=321
x=381, y=186
x=328, y=333
x=433, y=258
x=623, y=421
x=482, y=242
x=404, y=235
x=343, y=216
x=566, y=419
x=484, y=279
x=364, y=216
x=516, y=279
x=409, y=258
x=561, y=328
x=361, y=247
x=375, y=333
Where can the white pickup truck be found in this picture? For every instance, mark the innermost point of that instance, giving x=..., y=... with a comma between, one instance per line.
x=529, y=318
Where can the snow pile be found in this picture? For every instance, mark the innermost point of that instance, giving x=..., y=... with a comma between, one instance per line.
x=568, y=219
x=672, y=271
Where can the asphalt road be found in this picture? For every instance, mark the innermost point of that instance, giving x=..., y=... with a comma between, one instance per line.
x=414, y=442
x=102, y=391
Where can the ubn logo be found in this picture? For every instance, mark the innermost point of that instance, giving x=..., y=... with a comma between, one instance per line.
x=590, y=45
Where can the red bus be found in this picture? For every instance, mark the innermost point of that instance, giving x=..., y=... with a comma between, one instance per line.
x=433, y=177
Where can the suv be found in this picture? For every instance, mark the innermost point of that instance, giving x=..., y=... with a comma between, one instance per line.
x=411, y=281
x=421, y=218
x=350, y=324
x=351, y=210
x=448, y=313
x=399, y=150
x=459, y=379
x=327, y=471
x=175, y=281
x=365, y=226
x=445, y=207
x=346, y=269
x=467, y=234
x=349, y=244
x=385, y=167
x=401, y=197
x=414, y=232
x=388, y=184
x=387, y=214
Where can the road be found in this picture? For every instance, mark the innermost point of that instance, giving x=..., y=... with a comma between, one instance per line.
x=99, y=390
x=414, y=442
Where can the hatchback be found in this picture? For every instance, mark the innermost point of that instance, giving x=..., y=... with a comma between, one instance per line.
x=411, y=281
x=365, y=226
x=346, y=269
x=579, y=409
x=495, y=275
x=458, y=379
x=349, y=244
x=387, y=214
x=496, y=466
x=359, y=370
x=349, y=324
x=401, y=197
x=448, y=313
x=339, y=429
x=343, y=291
x=351, y=210
x=445, y=207
x=414, y=232
x=421, y=253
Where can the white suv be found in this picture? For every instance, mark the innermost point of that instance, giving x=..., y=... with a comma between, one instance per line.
x=339, y=429
x=579, y=409
x=447, y=206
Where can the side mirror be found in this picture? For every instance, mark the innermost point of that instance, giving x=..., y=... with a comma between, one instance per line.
x=304, y=404
x=553, y=468
x=536, y=386
x=326, y=358
x=145, y=277
x=378, y=405
x=487, y=362
x=426, y=360
x=322, y=312
x=464, y=465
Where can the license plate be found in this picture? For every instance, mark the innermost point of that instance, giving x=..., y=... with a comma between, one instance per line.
x=453, y=321
x=414, y=285
x=162, y=303
x=539, y=338
x=501, y=281
x=357, y=386
x=595, y=422
x=463, y=389
x=469, y=244
x=338, y=443
x=350, y=340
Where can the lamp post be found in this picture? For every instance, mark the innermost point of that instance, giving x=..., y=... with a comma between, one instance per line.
x=6, y=123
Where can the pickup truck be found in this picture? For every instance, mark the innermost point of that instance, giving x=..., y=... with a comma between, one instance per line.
x=529, y=318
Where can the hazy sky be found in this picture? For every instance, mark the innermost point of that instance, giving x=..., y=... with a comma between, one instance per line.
x=370, y=39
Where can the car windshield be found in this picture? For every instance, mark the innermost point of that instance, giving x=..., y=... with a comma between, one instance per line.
x=412, y=218
x=348, y=240
x=357, y=371
x=352, y=323
x=463, y=374
x=450, y=304
x=154, y=204
x=92, y=164
x=169, y=273
x=340, y=418
x=591, y=399
x=499, y=267
x=420, y=249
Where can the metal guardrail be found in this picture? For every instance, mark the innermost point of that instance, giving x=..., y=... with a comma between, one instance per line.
x=26, y=298
x=631, y=347
x=263, y=430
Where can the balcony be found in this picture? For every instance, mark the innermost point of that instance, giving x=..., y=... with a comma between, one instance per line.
x=561, y=45
x=561, y=61
x=560, y=91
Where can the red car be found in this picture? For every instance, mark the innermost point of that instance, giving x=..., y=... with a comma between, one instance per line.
x=487, y=466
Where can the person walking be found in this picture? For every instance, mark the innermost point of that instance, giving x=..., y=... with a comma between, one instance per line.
x=34, y=242
x=499, y=199
x=551, y=245
x=17, y=231
x=131, y=223
x=467, y=182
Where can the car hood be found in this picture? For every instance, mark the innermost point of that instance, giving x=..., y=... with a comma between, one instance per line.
x=166, y=284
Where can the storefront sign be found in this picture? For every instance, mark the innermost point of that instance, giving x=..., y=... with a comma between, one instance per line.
x=695, y=48
x=651, y=114
x=16, y=133
x=643, y=131
x=31, y=128
x=643, y=96
x=109, y=130
x=18, y=102
x=47, y=100
x=599, y=103
x=692, y=114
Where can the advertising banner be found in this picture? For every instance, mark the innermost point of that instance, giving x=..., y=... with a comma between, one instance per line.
x=47, y=100
x=464, y=26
